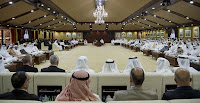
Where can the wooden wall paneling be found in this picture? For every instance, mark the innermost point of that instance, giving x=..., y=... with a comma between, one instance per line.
x=14, y=35
x=19, y=34
x=32, y=34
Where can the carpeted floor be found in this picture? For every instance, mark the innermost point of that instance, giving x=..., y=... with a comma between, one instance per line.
x=98, y=55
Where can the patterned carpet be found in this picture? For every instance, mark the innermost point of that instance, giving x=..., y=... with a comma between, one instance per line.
x=98, y=55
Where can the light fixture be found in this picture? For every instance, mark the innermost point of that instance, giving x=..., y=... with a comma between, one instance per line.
x=8, y=25
x=169, y=10
x=49, y=26
x=192, y=25
x=40, y=24
x=32, y=10
x=149, y=25
x=29, y=22
x=187, y=18
x=13, y=18
x=48, y=9
x=42, y=4
x=16, y=26
x=191, y=1
x=10, y=2
x=154, y=15
x=53, y=19
x=138, y=21
x=145, y=19
x=54, y=11
x=59, y=21
x=158, y=24
x=22, y=27
x=153, y=8
x=137, y=16
x=133, y=23
x=170, y=21
x=65, y=18
x=64, y=23
x=45, y=16
x=100, y=13
x=61, y=16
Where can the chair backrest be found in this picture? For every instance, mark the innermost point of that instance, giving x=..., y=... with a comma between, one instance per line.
x=19, y=101
x=73, y=102
x=54, y=47
x=113, y=79
x=195, y=80
x=1, y=83
x=140, y=101
x=168, y=79
x=7, y=85
x=49, y=79
x=62, y=43
x=153, y=82
x=185, y=101
x=43, y=47
x=93, y=84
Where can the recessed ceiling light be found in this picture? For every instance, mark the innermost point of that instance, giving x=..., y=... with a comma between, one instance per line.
x=8, y=25
x=13, y=18
x=133, y=23
x=191, y=2
x=106, y=24
x=16, y=26
x=40, y=24
x=169, y=10
x=158, y=24
x=170, y=21
x=54, y=11
x=145, y=19
x=42, y=4
x=137, y=16
x=49, y=26
x=53, y=19
x=54, y=27
x=22, y=27
x=153, y=8
x=138, y=21
x=10, y=2
x=187, y=18
x=45, y=16
x=61, y=16
x=149, y=25
x=29, y=22
x=48, y=9
x=59, y=21
x=32, y=10
x=154, y=15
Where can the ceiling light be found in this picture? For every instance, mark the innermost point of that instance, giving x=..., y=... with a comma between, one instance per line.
x=40, y=24
x=45, y=16
x=65, y=18
x=54, y=27
x=22, y=27
x=137, y=16
x=191, y=2
x=133, y=18
x=49, y=26
x=42, y=4
x=8, y=25
x=163, y=19
x=145, y=19
x=29, y=22
x=59, y=21
x=16, y=26
x=192, y=25
x=138, y=21
x=54, y=11
x=187, y=18
x=32, y=10
x=48, y=9
x=53, y=19
x=142, y=27
x=61, y=16
x=146, y=11
x=153, y=8
x=106, y=24
x=169, y=10
x=154, y=15
x=133, y=23
x=158, y=24
x=13, y=18
x=149, y=25
x=10, y=2
x=170, y=21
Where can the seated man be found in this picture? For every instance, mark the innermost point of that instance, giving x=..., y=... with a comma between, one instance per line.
x=54, y=60
x=81, y=64
x=136, y=92
x=2, y=67
x=27, y=65
x=184, y=90
x=163, y=66
x=132, y=63
x=110, y=67
x=20, y=82
x=12, y=53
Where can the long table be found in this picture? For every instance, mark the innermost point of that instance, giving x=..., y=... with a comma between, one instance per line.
x=172, y=60
x=157, y=54
x=147, y=52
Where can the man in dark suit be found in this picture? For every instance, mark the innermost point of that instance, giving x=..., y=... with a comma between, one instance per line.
x=20, y=82
x=184, y=90
x=27, y=67
x=54, y=60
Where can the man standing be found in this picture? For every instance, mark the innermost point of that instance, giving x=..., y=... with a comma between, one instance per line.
x=136, y=92
x=20, y=82
x=184, y=90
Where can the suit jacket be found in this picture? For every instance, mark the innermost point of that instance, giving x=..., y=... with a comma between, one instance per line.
x=135, y=93
x=52, y=69
x=183, y=92
x=27, y=68
x=23, y=51
x=18, y=95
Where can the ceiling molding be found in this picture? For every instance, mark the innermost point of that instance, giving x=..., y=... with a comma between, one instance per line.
x=7, y=4
x=181, y=15
x=20, y=15
x=35, y=19
x=164, y=19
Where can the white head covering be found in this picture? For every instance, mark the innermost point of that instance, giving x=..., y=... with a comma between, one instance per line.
x=109, y=67
x=2, y=68
x=184, y=62
x=163, y=66
x=81, y=64
x=132, y=63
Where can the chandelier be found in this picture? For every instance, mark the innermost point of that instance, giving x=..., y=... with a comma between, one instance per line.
x=100, y=13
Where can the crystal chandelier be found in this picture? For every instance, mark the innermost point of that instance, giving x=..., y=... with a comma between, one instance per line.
x=100, y=13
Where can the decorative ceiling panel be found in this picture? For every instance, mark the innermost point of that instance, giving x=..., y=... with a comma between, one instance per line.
x=14, y=10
